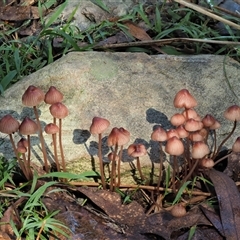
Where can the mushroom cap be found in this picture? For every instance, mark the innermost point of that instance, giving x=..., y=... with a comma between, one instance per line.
x=23, y=142
x=172, y=133
x=233, y=113
x=178, y=210
x=111, y=155
x=192, y=125
x=28, y=126
x=174, y=146
x=191, y=113
x=207, y=163
x=53, y=96
x=118, y=136
x=159, y=134
x=51, y=128
x=177, y=119
x=32, y=96
x=216, y=125
x=8, y=124
x=21, y=149
x=184, y=99
x=99, y=125
x=199, y=135
x=236, y=146
x=199, y=150
x=208, y=120
x=136, y=150
x=58, y=110
x=182, y=133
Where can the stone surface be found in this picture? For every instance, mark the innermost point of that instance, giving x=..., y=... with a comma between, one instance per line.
x=134, y=91
x=88, y=13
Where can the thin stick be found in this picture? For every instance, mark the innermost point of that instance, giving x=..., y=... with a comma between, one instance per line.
x=162, y=42
x=41, y=140
x=206, y=12
x=133, y=186
x=101, y=160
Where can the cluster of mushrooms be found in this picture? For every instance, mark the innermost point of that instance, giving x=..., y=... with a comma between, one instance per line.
x=188, y=140
x=32, y=97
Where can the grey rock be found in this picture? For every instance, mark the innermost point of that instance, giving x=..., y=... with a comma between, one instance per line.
x=87, y=12
x=134, y=91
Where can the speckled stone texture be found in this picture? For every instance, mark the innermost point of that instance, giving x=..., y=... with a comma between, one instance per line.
x=134, y=91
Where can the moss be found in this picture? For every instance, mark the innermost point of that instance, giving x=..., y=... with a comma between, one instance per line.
x=128, y=174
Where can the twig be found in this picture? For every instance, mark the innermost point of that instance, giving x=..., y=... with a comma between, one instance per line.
x=161, y=42
x=133, y=186
x=206, y=12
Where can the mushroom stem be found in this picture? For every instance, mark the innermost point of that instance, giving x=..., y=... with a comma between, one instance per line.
x=160, y=167
x=118, y=164
x=139, y=169
x=55, y=151
x=215, y=142
x=174, y=173
x=224, y=140
x=18, y=158
x=221, y=159
x=113, y=172
x=41, y=139
x=101, y=161
x=190, y=172
x=60, y=145
x=29, y=149
x=28, y=167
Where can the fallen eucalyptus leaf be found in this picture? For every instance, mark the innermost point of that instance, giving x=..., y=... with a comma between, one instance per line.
x=228, y=199
x=213, y=218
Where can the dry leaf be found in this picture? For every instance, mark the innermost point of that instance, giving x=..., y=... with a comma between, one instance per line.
x=137, y=32
x=228, y=199
x=18, y=13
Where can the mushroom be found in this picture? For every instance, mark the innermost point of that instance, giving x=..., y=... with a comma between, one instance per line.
x=53, y=96
x=199, y=150
x=60, y=111
x=10, y=125
x=184, y=99
x=233, y=114
x=117, y=137
x=236, y=146
x=32, y=97
x=28, y=127
x=137, y=150
x=207, y=163
x=175, y=148
x=177, y=119
x=159, y=135
x=178, y=210
x=53, y=129
x=98, y=126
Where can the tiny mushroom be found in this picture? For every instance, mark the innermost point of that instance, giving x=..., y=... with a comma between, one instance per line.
x=98, y=126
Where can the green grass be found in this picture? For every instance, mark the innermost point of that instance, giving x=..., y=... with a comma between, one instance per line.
x=34, y=220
